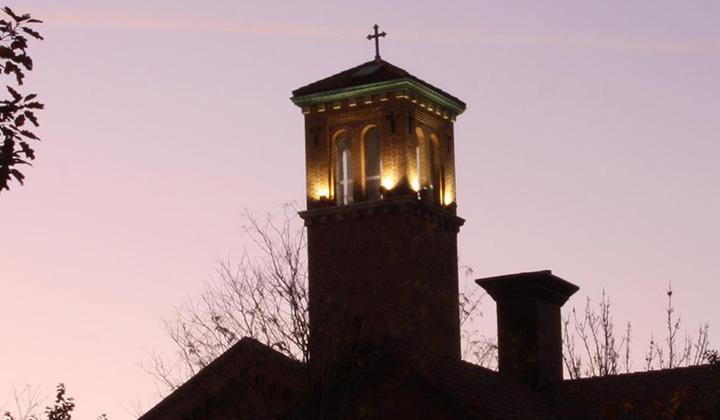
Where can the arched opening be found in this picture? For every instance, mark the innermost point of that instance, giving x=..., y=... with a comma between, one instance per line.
x=373, y=163
x=415, y=165
x=436, y=169
x=343, y=168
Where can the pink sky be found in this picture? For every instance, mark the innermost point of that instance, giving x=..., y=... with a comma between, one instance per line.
x=590, y=147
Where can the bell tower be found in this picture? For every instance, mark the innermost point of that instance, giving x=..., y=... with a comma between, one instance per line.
x=381, y=212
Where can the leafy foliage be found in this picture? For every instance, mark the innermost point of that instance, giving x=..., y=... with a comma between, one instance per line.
x=63, y=407
x=17, y=113
x=60, y=410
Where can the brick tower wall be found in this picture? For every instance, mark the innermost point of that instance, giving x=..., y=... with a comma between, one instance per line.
x=384, y=269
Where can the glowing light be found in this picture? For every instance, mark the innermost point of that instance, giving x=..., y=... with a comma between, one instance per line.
x=322, y=192
x=415, y=183
x=448, y=198
x=388, y=182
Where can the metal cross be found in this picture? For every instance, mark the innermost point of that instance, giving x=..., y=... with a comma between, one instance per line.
x=377, y=40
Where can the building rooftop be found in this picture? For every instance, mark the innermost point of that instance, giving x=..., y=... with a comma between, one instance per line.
x=252, y=380
x=374, y=73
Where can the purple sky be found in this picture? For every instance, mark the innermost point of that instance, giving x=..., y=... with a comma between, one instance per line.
x=590, y=147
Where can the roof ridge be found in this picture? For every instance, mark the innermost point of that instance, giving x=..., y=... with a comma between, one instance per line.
x=649, y=373
x=244, y=345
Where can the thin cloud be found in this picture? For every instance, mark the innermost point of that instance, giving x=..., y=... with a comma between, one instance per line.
x=186, y=24
x=195, y=24
x=600, y=42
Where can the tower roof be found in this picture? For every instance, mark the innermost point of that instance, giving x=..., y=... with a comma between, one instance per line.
x=367, y=78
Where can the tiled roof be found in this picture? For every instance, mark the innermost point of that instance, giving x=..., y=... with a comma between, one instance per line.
x=479, y=393
x=364, y=74
x=691, y=392
x=467, y=390
x=483, y=393
x=232, y=382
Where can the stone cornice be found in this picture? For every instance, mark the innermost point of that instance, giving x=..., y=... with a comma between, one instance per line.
x=409, y=205
x=405, y=84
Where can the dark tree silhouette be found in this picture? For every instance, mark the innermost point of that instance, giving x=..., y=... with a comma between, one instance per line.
x=17, y=113
x=28, y=401
x=60, y=410
x=63, y=407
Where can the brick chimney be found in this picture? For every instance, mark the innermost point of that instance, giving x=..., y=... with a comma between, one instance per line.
x=529, y=324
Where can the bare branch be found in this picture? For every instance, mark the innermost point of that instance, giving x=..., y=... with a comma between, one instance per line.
x=263, y=295
x=599, y=350
x=476, y=347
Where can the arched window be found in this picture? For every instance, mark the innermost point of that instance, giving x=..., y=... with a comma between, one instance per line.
x=417, y=162
x=373, y=164
x=343, y=172
x=436, y=168
x=415, y=166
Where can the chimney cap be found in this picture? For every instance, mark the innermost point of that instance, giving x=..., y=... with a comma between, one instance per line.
x=535, y=284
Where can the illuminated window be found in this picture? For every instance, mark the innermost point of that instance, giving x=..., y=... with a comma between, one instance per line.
x=428, y=160
x=436, y=168
x=343, y=178
x=373, y=164
x=417, y=156
x=416, y=184
x=421, y=153
x=414, y=163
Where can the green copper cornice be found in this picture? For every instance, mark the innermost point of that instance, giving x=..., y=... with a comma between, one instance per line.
x=380, y=87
